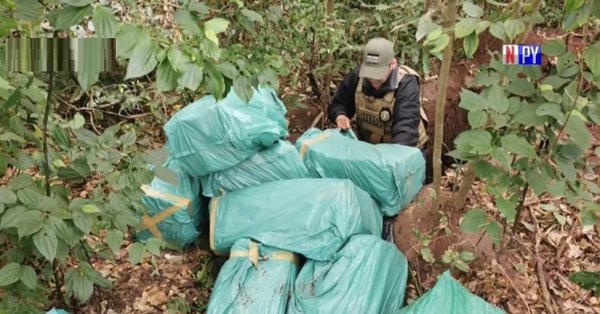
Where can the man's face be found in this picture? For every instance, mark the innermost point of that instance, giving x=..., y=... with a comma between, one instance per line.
x=378, y=83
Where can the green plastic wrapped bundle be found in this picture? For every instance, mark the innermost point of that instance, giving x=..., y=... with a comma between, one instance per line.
x=311, y=217
x=57, y=311
x=255, y=279
x=173, y=211
x=278, y=162
x=448, y=296
x=392, y=174
x=368, y=275
x=209, y=136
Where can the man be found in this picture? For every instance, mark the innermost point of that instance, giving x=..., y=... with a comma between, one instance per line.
x=385, y=98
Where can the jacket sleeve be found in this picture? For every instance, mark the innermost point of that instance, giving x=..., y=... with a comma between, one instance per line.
x=343, y=100
x=405, y=127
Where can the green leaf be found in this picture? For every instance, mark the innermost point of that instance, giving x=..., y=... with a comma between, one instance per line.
x=461, y=265
x=82, y=222
x=518, y=145
x=61, y=137
x=210, y=50
x=70, y=16
x=425, y=27
x=28, y=10
x=7, y=196
x=552, y=110
x=587, y=280
x=29, y=223
x=105, y=23
x=253, y=16
x=427, y=255
x=166, y=77
x=470, y=44
x=577, y=18
x=554, y=47
x=177, y=59
x=243, y=88
x=566, y=167
x=470, y=100
x=213, y=27
x=217, y=25
x=467, y=256
x=474, y=142
x=143, y=59
x=269, y=77
x=497, y=30
x=199, y=7
x=127, y=38
x=136, y=253
x=216, y=83
x=521, y=87
x=10, y=274
x=77, y=122
x=166, y=175
x=557, y=189
x=28, y=277
x=77, y=3
x=471, y=9
x=31, y=198
x=114, y=239
x=592, y=58
x=497, y=99
x=3, y=164
x=10, y=136
x=79, y=285
x=87, y=137
x=440, y=43
x=228, y=70
x=485, y=78
x=474, y=221
x=572, y=5
x=477, y=118
x=191, y=77
x=187, y=20
x=570, y=151
x=555, y=81
x=579, y=133
x=495, y=233
x=513, y=28
x=502, y=157
x=465, y=27
x=46, y=243
x=153, y=246
x=157, y=156
x=90, y=209
x=507, y=208
x=10, y=219
x=78, y=170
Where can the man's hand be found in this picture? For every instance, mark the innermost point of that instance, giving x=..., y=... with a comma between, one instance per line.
x=342, y=122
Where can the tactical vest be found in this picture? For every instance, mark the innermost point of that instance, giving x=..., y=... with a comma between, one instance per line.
x=374, y=116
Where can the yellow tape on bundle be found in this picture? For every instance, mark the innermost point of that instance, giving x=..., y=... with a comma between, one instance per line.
x=151, y=223
x=214, y=206
x=313, y=141
x=254, y=256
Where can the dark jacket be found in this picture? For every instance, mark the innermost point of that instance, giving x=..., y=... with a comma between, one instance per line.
x=406, y=116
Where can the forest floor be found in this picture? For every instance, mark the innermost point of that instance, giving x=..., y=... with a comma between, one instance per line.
x=527, y=274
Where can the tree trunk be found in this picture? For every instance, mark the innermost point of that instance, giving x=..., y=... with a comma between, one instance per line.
x=329, y=74
x=450, y=16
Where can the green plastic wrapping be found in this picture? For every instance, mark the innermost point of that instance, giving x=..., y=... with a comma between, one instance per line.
x=174, y=212
x=278, y=162
x=311, y=217
x=392, y=174
x=209, y=136
x=448, y=296
x=57, y=311
x=368, y=275
x=255, y=279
